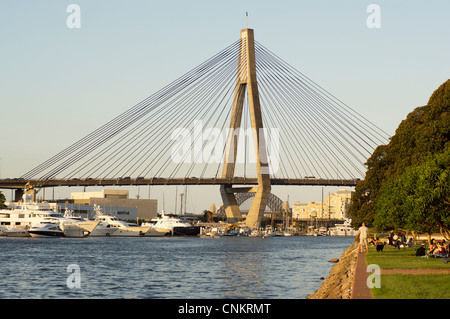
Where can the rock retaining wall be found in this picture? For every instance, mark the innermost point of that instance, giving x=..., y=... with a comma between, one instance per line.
x=338, y=284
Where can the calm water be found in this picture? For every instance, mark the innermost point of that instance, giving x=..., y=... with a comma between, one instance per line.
x=213, y=268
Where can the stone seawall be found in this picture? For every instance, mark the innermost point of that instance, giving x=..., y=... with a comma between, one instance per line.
x=338, y=284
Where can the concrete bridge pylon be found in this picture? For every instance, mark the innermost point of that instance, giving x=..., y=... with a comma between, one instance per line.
x=246, y=82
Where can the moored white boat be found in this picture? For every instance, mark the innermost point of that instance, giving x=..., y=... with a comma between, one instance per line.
x=102, y=231
x=78, y=229
x=344, y=229
x=156, y=232
x=19, y=231
x=25, y=215
x=46, y=230
x=123, y=229
x=172, y=225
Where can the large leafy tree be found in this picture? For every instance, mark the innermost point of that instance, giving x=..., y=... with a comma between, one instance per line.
x=425, y=132
x=419, y=199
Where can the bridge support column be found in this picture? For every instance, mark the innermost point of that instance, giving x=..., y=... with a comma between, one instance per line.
x=246, y=81
x=259, y=203
x=18, y=194
x=230, y=204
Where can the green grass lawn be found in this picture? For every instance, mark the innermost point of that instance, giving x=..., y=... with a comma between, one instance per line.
x=400, y=286
x=407, y=262
x=391, y=251
x=403, y=286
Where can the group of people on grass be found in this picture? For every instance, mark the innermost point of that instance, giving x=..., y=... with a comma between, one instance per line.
x=393, y=240
x=436, y=249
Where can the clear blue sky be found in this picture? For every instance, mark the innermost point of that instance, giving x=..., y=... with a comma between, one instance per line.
x=58, y=84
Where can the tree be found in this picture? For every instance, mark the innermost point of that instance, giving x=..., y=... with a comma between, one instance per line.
x=2, y=200
x=208, y=216
x=419, y=199
x=425, y=132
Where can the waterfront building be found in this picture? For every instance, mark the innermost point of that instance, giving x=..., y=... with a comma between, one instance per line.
x=117, y=203
x=308, y=210
x=335, y=206
x=339, y=203
x=88, y=211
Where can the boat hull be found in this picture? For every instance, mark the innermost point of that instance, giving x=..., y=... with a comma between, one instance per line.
x=79, y=229
x=186, y=231
x=156, y=232
x=16, y=233
x=45, y=234
x=102, y=232
x=130, y=232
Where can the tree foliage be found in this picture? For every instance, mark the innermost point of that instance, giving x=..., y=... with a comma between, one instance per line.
x=424, y=133
x=208, y=216
x=2, y=200
x=419, y=199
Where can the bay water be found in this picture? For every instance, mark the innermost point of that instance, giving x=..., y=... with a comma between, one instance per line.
x=166, y=267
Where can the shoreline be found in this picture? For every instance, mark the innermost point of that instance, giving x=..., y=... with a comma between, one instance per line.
x=339, y=282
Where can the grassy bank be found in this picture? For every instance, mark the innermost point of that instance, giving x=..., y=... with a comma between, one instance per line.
x=424, y=283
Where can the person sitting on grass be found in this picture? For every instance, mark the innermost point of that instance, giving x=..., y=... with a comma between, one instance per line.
x=396, y=242
x=438, y=252
x=432, y=246
x=420, y=252
x=445, y=245
x=410, y=242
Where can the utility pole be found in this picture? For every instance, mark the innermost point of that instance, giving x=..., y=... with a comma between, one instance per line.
x=181, y=204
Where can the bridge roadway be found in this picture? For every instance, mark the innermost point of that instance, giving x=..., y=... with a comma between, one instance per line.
x=17, y=183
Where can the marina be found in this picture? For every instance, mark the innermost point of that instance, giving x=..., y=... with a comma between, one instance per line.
x=32, y=219
x=166, y=257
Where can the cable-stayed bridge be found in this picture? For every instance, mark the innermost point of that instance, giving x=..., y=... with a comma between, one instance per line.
x=242, y=117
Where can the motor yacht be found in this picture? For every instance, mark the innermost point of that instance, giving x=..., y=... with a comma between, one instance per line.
x=19, y=231
x=119, y=227
x=103, y=230
x=123, y=229
x=172, y=225
x=22, y=217
x=26, y=215
x=75, y=226
x=344, y=229
x=156, y=232
x=78, y=228
x=46, y=230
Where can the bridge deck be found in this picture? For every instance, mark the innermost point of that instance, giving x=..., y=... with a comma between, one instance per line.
x=37, y=183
